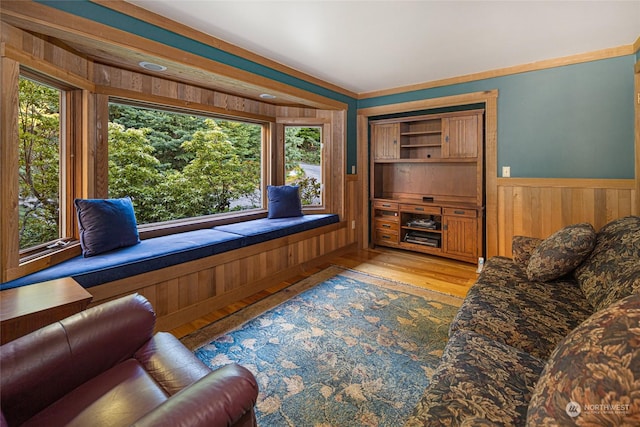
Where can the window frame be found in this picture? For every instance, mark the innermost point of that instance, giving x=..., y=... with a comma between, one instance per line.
x=70, y=180
x=205, y=221
x=327, y=184
x=322, y=161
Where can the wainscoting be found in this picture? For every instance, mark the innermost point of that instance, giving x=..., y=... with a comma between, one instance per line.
x=185, y=292
x=539, y=206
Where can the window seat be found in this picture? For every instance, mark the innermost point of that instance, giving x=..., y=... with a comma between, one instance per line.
x=165, y=251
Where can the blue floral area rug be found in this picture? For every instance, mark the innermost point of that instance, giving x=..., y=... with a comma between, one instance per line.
x=340, y=348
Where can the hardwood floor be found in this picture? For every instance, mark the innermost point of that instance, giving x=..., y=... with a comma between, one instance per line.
x=434, y=273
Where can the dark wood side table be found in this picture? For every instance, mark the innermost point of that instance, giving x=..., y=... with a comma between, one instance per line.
x=27, y=308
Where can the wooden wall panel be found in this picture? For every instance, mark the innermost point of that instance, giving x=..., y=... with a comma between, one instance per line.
x=539, y=207
x=45, y=57
x=143, y=87
x=9, y=238
x=185, y=292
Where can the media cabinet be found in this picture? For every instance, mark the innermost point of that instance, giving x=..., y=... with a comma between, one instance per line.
x=427, y=183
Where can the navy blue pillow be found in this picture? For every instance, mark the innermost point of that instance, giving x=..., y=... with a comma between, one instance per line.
x=284, y=201
x=106, y=224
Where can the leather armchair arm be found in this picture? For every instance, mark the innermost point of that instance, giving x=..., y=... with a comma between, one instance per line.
x=522, y=247
x=170, y=363
x=221, y=398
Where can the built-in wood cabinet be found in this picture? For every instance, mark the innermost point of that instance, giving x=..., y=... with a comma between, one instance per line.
x=461, y=233
x=460, y=137
x=427, y=184
x=388, y=145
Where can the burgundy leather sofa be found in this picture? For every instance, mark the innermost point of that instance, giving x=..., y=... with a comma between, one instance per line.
x=105, y=367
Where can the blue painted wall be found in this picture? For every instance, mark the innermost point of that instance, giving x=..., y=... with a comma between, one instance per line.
x=574, y=121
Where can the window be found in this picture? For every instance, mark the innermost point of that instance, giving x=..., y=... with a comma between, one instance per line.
x=303, y=162
x=41, y=167
x=177, y=165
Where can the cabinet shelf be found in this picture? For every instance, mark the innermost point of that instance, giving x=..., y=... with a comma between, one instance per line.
x=421, y=132
x=420, y=145
x=421, y=247
x=426, y=230
x=429, y=160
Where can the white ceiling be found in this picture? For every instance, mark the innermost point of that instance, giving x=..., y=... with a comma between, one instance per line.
x=365, y=46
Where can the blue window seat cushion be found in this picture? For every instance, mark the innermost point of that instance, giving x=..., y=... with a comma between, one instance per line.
x=165, y=251
x=148, y=255
x=261, y=230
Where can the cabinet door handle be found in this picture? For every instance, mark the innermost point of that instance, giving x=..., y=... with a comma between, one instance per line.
x=446, y=138
x=384, y=236
x=386, y=205
x=458, y=212
x=419, y=209
x=386, y=226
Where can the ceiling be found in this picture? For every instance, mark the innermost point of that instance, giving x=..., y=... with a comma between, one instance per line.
x=366, y=46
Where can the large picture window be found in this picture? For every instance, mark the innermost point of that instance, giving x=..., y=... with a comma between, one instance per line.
x=177, y=165
x=41, y=163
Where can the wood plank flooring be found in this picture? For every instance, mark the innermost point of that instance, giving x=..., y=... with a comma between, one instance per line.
x=434, y=273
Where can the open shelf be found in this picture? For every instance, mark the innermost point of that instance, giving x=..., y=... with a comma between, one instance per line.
x=429, y=160
x=420, y=145
x=421, y=132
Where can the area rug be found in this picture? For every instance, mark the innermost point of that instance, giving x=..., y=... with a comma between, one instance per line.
x=340, y=348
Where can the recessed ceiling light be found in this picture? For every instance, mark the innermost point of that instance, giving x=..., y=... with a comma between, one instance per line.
x=267, y=96
x=151, y=66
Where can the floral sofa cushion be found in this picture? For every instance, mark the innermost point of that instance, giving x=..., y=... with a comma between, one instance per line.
x=522, y=247
x=593, y=376
x=532, y=316
x=561, y=253
x=612, y=271
x=479, y=382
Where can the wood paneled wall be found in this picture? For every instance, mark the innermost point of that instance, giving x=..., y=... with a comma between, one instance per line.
x=122, y=83
x=9, y=190
x=46, y=57
x=538, y=207
x=185, y=292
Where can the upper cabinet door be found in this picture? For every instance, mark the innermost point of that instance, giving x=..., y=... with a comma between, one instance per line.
x=461, y=136
x=385, y=140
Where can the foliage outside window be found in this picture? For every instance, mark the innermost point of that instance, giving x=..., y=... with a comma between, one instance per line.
x=303, y=162
x=175, y=165
x=39, y=164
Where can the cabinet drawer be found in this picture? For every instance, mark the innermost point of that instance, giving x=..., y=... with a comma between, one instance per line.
x=385, y=236
x=420, y=209
x=469, y=213
x=386, y=225
x=380, y=204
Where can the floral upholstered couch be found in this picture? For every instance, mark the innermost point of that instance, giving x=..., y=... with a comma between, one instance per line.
x=550, y=337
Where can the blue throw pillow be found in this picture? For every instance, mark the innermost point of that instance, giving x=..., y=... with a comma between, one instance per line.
x=106, y=224
x=284, y=201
